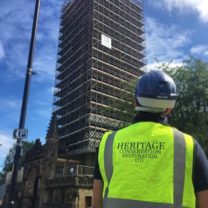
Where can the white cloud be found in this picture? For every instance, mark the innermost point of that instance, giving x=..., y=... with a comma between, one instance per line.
x=157, y=65
x=11, y=109
x=45, y=63
x=198, y=6
x=6, y=142
x=10, y=103
x=206, y=53
x=15, y=25
x=2, y=54
x=44, y=113
x=51, y=90
x=15, y=30
x=42, y=108
x=165, y=42
x=199, y=50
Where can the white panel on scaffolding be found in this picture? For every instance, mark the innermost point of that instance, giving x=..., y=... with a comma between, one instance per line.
x=106, y=41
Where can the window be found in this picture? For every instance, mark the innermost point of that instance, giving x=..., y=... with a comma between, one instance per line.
x=88, y=201
x=59, y=171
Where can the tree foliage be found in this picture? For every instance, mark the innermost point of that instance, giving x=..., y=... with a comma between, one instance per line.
x=191, y=110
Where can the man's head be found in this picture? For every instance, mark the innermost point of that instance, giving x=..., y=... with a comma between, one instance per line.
x=155, y=92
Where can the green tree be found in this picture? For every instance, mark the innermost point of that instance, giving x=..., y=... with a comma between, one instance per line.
x=191, y=110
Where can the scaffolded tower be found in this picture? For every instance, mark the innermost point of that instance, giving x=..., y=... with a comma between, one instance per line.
x=101, y=50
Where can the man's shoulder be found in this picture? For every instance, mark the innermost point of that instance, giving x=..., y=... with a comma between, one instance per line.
x=184, y=133
x=200, y=168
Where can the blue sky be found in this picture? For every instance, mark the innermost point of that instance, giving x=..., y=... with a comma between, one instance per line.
x=175, y=30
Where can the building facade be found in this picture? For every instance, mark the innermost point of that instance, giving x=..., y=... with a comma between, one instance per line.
x=101, y=51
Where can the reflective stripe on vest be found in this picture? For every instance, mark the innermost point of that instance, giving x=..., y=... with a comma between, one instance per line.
x=179, y=176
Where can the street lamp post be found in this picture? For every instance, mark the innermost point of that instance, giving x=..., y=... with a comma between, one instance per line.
x=24, y=106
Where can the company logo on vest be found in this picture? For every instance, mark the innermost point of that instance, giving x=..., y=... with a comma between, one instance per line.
x=140, y=151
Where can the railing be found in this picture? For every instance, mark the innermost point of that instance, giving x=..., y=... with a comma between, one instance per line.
x=71, y=180
x=77, y=175
x=84, y=170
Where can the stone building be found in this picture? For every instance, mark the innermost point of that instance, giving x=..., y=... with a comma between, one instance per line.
x=52, y=179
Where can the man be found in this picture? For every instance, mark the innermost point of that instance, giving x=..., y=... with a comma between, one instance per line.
x=150, y=164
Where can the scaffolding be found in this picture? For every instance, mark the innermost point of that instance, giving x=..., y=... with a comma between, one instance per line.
x=101, y=50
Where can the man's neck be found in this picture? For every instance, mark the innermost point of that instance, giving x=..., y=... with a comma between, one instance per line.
x=154, y=117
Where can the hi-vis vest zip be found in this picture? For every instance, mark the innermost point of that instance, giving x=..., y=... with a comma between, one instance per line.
x=147, y=165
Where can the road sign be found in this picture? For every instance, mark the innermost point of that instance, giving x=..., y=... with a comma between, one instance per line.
x=20, y=133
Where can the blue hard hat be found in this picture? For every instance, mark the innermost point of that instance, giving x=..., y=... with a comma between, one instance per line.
x=155, y=91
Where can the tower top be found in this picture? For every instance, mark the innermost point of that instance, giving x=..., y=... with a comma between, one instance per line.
x=53, y=128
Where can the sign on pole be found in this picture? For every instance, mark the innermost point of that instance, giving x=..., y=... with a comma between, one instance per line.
x=20, y=134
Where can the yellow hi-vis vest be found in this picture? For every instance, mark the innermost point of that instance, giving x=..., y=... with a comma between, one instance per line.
x=147, y=165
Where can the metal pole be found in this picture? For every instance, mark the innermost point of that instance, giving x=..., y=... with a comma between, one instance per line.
x=28, y=75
